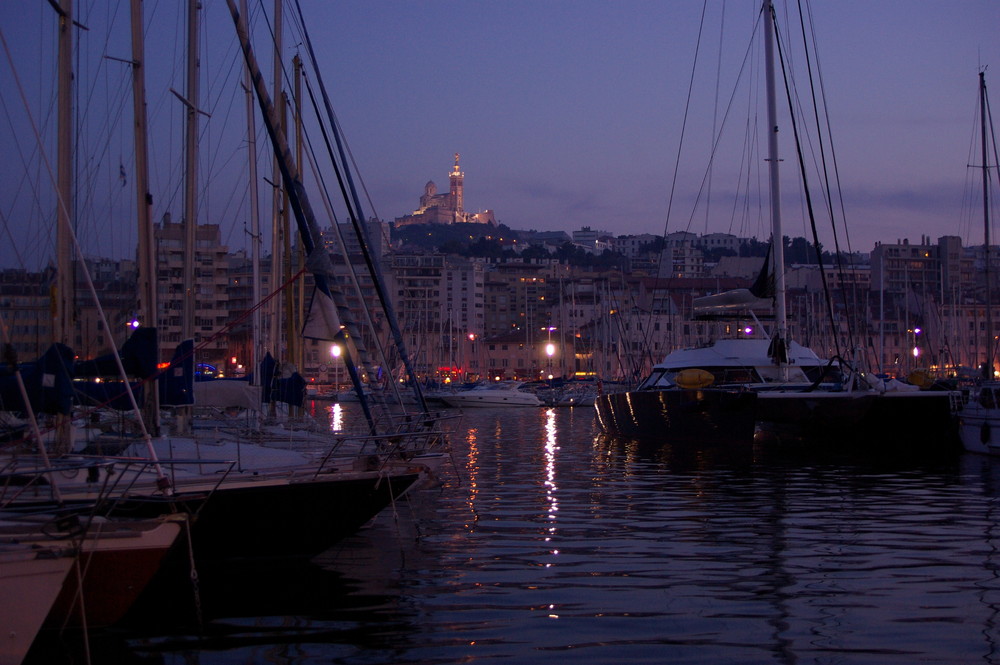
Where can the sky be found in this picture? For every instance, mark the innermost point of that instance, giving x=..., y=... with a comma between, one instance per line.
x=565, y=113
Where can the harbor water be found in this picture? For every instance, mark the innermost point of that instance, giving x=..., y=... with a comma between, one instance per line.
x=548, y=543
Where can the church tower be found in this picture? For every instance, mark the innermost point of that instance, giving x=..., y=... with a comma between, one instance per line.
x=456, y=178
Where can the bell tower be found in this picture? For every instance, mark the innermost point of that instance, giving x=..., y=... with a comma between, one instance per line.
x=456, y=178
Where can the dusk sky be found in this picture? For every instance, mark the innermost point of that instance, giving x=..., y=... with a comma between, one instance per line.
x=566, y=114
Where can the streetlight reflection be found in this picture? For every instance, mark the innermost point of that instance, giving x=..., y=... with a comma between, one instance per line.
x=550, y=474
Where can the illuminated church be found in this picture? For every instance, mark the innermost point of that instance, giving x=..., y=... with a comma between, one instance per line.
x=446, y=208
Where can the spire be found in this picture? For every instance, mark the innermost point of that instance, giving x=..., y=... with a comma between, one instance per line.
x=456, y=178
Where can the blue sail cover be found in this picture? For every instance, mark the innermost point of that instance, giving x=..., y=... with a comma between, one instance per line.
x=138, y=355
x=291, y=390
x=48, y=382
x=267, y=367
x=177, y=381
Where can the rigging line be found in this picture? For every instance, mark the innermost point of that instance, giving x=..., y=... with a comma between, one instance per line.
x=809, y=205
x=684, y=120
x=325, y=198
x=74, y=242
x=298, y=24
x=321, y=181
x=683, y=134
x=301, y=208
x=358, y=222
x=715, y=108
x=15, y=246
x=838, y=260
x=829, y=131
x=989, y=116
x=717, y=139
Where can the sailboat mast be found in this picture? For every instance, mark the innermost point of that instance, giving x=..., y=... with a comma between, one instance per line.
x=63, y=311
x=144, y=202
x=190, y=170
x=255, y=240
x=63, y=325
x=988, y=367
x=274, y=311
x=777, y=240
x=317, y=257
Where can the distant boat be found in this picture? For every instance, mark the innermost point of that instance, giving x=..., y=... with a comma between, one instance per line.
x=495, y=394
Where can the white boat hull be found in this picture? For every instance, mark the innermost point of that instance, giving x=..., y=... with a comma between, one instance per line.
x=30, y=582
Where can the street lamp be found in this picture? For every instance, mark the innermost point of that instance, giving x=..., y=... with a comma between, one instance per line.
x=335, y=351
x=550, y=350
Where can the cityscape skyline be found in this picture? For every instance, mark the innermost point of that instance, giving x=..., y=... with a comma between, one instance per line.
x=567, y=119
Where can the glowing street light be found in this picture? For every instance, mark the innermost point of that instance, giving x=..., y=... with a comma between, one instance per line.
x=335, y=352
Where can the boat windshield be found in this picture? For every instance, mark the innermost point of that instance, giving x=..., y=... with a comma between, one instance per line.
x=773, y=374
x=657, y=379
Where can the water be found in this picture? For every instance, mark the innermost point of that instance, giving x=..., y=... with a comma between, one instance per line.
x=547, y=543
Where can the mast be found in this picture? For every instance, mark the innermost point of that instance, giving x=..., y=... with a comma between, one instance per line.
x=333, y=304
x=777, y=240
x=988, y=367
x=190, y=195
x=255, y=240
x=274, y=321
x=191, y=171
x=300, y=286
x=63, y=323
x=358, y=220
x=144, y=201
x=63, y=310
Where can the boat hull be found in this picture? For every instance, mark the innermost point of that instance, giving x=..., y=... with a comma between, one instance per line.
x=30, y=582
x=490, y=401
x=922, y=421
x=812, y=415
x=116, y=561
x=293, y=519
x=979, y=424
x=702, y=416
x=276, y=517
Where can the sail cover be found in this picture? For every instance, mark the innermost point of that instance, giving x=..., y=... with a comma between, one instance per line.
x=322, y=321
x=227, y=393
x=736, y=300
x=48, y=381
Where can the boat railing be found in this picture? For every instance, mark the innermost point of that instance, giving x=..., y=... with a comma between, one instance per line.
x=107, y=483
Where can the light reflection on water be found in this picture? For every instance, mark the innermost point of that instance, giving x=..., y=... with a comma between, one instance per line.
x=548, y=542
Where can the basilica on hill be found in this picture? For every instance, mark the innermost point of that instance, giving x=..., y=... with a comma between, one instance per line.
x=446, y=208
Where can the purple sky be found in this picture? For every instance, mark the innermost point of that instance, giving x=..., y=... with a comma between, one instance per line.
x=566, y=114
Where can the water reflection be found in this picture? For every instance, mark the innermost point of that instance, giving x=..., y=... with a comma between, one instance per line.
x=336, y=418
x=549, y=538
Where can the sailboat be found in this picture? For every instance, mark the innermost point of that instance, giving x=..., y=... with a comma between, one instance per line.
x=979, y=419
x=283, y=503
x=757, y=384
